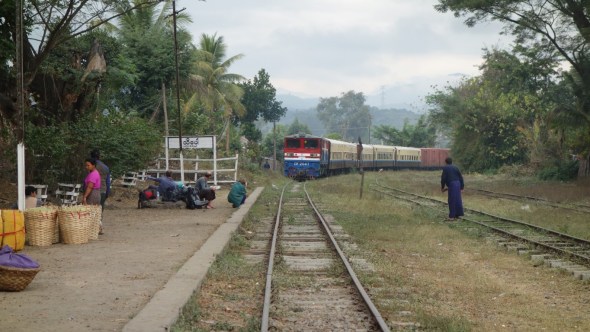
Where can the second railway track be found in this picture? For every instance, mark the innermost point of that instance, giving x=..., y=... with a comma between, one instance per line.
x=542, y=240
x=580, y=208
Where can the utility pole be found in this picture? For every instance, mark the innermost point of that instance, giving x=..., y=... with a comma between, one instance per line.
x=165, y=108
x=274, y=145
x=178, y=91
x=359, y=157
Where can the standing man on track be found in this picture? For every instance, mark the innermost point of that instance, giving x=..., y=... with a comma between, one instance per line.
x=453, y=180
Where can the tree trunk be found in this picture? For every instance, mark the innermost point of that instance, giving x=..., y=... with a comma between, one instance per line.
x=227, y=137
x=584, y=166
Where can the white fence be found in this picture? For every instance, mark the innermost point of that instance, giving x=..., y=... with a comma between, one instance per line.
x=224, y=170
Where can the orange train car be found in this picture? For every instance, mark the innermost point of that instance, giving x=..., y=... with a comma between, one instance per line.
x=433, y=158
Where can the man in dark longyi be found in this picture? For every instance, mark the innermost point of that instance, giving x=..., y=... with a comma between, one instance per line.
x=452, y=179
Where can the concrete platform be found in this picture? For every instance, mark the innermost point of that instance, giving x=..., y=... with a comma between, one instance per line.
x=164, y=308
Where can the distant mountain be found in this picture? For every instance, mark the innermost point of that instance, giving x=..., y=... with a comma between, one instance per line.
x=295, y=103
x=304, y=110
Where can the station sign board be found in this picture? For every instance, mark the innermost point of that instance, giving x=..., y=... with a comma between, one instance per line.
x=190, y=142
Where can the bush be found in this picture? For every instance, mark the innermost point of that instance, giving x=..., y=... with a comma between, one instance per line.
x=56, y=152
x=563, y=171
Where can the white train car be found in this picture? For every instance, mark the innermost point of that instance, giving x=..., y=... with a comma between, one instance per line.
x=384, y=156
x=343, y=156
x=407, y=158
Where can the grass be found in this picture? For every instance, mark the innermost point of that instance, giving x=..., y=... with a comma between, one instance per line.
x=442, y=277
x=428, y=275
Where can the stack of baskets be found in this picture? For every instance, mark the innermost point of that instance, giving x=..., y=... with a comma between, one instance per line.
x=41, y=225
x=75, y=224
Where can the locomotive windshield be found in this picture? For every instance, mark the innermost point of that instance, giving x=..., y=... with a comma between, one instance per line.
x=292, y=143
x=311, y=143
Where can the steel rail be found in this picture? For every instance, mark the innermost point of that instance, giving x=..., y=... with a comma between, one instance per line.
x=382, y=325
x=546, y=230
x=268, y=287
x=535, y=242
x=539, y=229
x=580, y=207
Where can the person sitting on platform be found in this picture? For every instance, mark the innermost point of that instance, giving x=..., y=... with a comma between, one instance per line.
x=31, y=200
x=237, y=194
x=166, y=187
x=204, y=190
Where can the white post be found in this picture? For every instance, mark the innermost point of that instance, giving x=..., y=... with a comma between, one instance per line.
x=214, y=160
x=167, y=147
x=20, y=152
x=181, y=168
x=236, y=169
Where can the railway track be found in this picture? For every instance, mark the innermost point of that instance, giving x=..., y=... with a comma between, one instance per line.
x=581, y=208
x=542, y=240
x=310, y=285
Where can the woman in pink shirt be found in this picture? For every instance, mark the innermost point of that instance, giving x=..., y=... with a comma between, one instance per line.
x=92, y=184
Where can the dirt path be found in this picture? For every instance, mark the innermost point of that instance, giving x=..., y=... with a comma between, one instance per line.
x=101, y=285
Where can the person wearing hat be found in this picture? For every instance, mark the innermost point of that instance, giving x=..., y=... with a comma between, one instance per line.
x=204, y=190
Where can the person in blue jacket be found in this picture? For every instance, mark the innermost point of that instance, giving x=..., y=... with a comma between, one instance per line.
x=452, y=179
x=166, y=187
x=237, y=194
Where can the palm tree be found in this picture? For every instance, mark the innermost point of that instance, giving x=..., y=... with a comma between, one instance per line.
x=216, y=88
x=145, y=34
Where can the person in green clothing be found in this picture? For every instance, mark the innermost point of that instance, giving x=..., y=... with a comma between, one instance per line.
x=237, y=194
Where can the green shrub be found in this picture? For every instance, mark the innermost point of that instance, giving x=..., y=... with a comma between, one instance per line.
x=563, y=171
x=56, y=152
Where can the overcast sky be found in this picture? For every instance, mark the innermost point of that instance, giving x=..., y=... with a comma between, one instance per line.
x=393, y=50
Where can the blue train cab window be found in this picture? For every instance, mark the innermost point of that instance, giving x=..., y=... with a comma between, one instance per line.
x=311, y=144
x=292, y=143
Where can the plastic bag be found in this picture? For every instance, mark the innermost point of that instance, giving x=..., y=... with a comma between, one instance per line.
x=11, y=259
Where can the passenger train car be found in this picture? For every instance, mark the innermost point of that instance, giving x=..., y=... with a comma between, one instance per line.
x=308, y=157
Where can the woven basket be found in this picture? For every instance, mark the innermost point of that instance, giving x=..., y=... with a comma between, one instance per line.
x=94, y=225
x=40, y=224
x=55, y=229
x=74, y=223
x=16, y=279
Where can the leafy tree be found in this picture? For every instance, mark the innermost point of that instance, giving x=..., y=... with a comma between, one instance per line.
x=146, y=45
x=419, y=135
x=335, y=136
x=559, y=27
x=52, y=25
x=267, y=147
x=488, y=117
x=347, y=115
x=216, y=89
x=297, y=127
x=260, y=102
